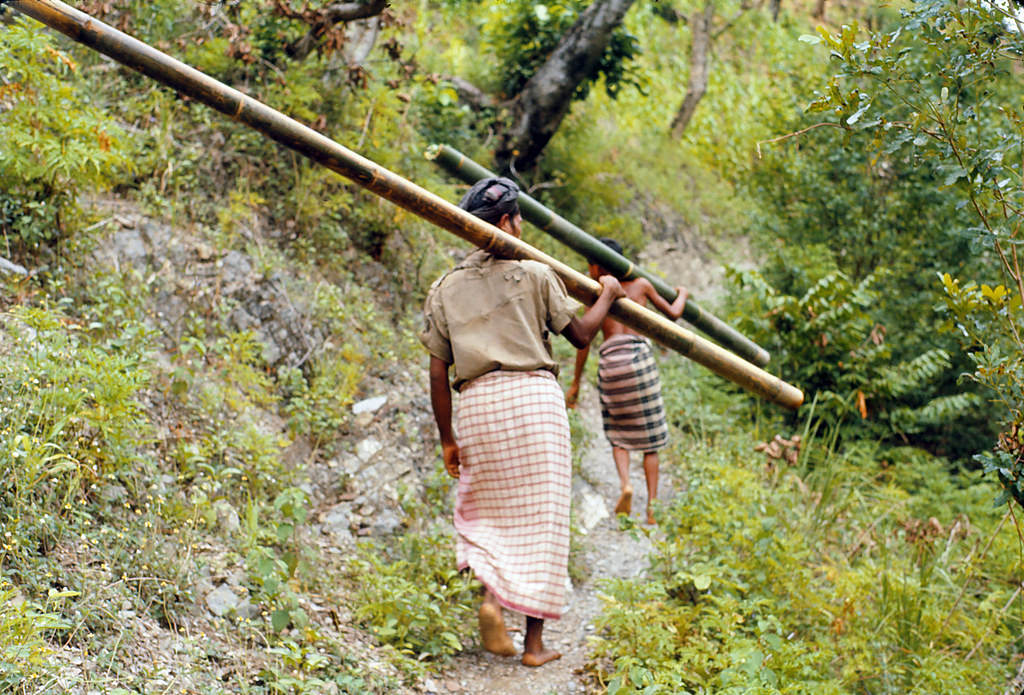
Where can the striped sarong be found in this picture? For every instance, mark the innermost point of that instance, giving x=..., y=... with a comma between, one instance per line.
x=631, y=405
x=513, y=494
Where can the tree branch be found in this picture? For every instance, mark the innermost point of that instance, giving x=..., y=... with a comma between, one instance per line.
x=471, y=94
x=327, y=18
x=794, y=134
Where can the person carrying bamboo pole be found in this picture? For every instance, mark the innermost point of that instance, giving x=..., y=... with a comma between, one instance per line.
x=630, y=388
x=492, y=319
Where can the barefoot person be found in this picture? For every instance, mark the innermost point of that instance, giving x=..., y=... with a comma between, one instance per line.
x=491, y=319
x=630, y=388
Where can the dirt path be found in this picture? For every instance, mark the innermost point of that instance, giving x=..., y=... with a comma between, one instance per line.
x=606, y=552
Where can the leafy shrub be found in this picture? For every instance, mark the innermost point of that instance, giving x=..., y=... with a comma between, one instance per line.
x=54, y=144
x=24, y=656
x=829, y=339
x=69, y=415
x=417, y=601
x=827, y=582
x=936, y=89
x=988, y=319
x=221, y=386
x=275, y=561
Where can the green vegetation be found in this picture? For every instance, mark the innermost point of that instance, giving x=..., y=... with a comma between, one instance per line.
x=54, y=145
x=845, y=573
x=159, y=442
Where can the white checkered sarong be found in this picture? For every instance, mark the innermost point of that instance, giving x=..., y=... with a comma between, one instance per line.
x=513, y=494
x=630, y=388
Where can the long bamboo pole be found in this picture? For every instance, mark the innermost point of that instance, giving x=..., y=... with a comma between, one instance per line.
x=150, y=62
x=593, y=250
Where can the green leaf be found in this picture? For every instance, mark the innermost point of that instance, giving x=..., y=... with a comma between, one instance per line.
x=858, y=113
x=284, y=532
x=279, y=619
x=954, y=174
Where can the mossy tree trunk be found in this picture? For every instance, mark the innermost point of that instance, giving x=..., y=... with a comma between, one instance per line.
x=700, y=51
x=539, y=108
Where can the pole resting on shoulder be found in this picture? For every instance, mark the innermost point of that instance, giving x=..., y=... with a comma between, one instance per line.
x=598, y=253
x=302, y=139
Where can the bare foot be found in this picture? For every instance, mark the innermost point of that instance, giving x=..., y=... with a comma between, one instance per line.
x=625, y=504
x=492, y=631
x=540, y=658
x=650, y=517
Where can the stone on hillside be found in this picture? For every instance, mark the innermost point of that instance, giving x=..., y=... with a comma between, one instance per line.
x=227, y=517
x=338, y=521
x=367, y=448
x=112, y=493
x=129, y=245
x=369, y=405
x=203, y=586
x=222, y=601
x=384, y=523
x=592, y=509
x=245, y=609
x=349, y=464
x=235, y=269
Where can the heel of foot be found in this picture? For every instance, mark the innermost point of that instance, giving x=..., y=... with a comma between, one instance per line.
x=625, y=503
x=493, y=633
x=540, y=658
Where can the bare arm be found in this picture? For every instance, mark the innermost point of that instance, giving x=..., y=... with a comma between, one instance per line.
x=441, y=402
x=673, y=310
x=572, y=395
x=582, y=330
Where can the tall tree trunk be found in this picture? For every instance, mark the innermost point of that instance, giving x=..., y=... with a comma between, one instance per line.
x=819, y=10
x=539, y=108
x=700, y=49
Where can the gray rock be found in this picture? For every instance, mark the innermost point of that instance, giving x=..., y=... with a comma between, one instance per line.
x=367, y=448
x=242, y=320
x=222, y=601
x=227, y=517
x=369, y=405
x=203, y=586
x=9, y=267
x=338, y=521
x=246, y=609
x=236, y=266
x=385, y=523
x=272, y=354
x=113, y=493
x=130, y=246
x=592, y=509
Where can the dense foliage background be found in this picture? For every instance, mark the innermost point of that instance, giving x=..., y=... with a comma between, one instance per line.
x=870, y=155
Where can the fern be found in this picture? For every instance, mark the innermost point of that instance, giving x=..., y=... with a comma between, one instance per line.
x=902, y=379
x=52, y=144
x=936, y=411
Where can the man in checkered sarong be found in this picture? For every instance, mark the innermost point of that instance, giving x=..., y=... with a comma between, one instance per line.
x=630, y=388
x=492, y=320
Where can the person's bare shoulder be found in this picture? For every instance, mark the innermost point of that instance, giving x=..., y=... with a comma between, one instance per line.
x=638, y=290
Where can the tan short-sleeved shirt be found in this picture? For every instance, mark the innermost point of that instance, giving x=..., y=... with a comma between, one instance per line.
x=489, y=314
